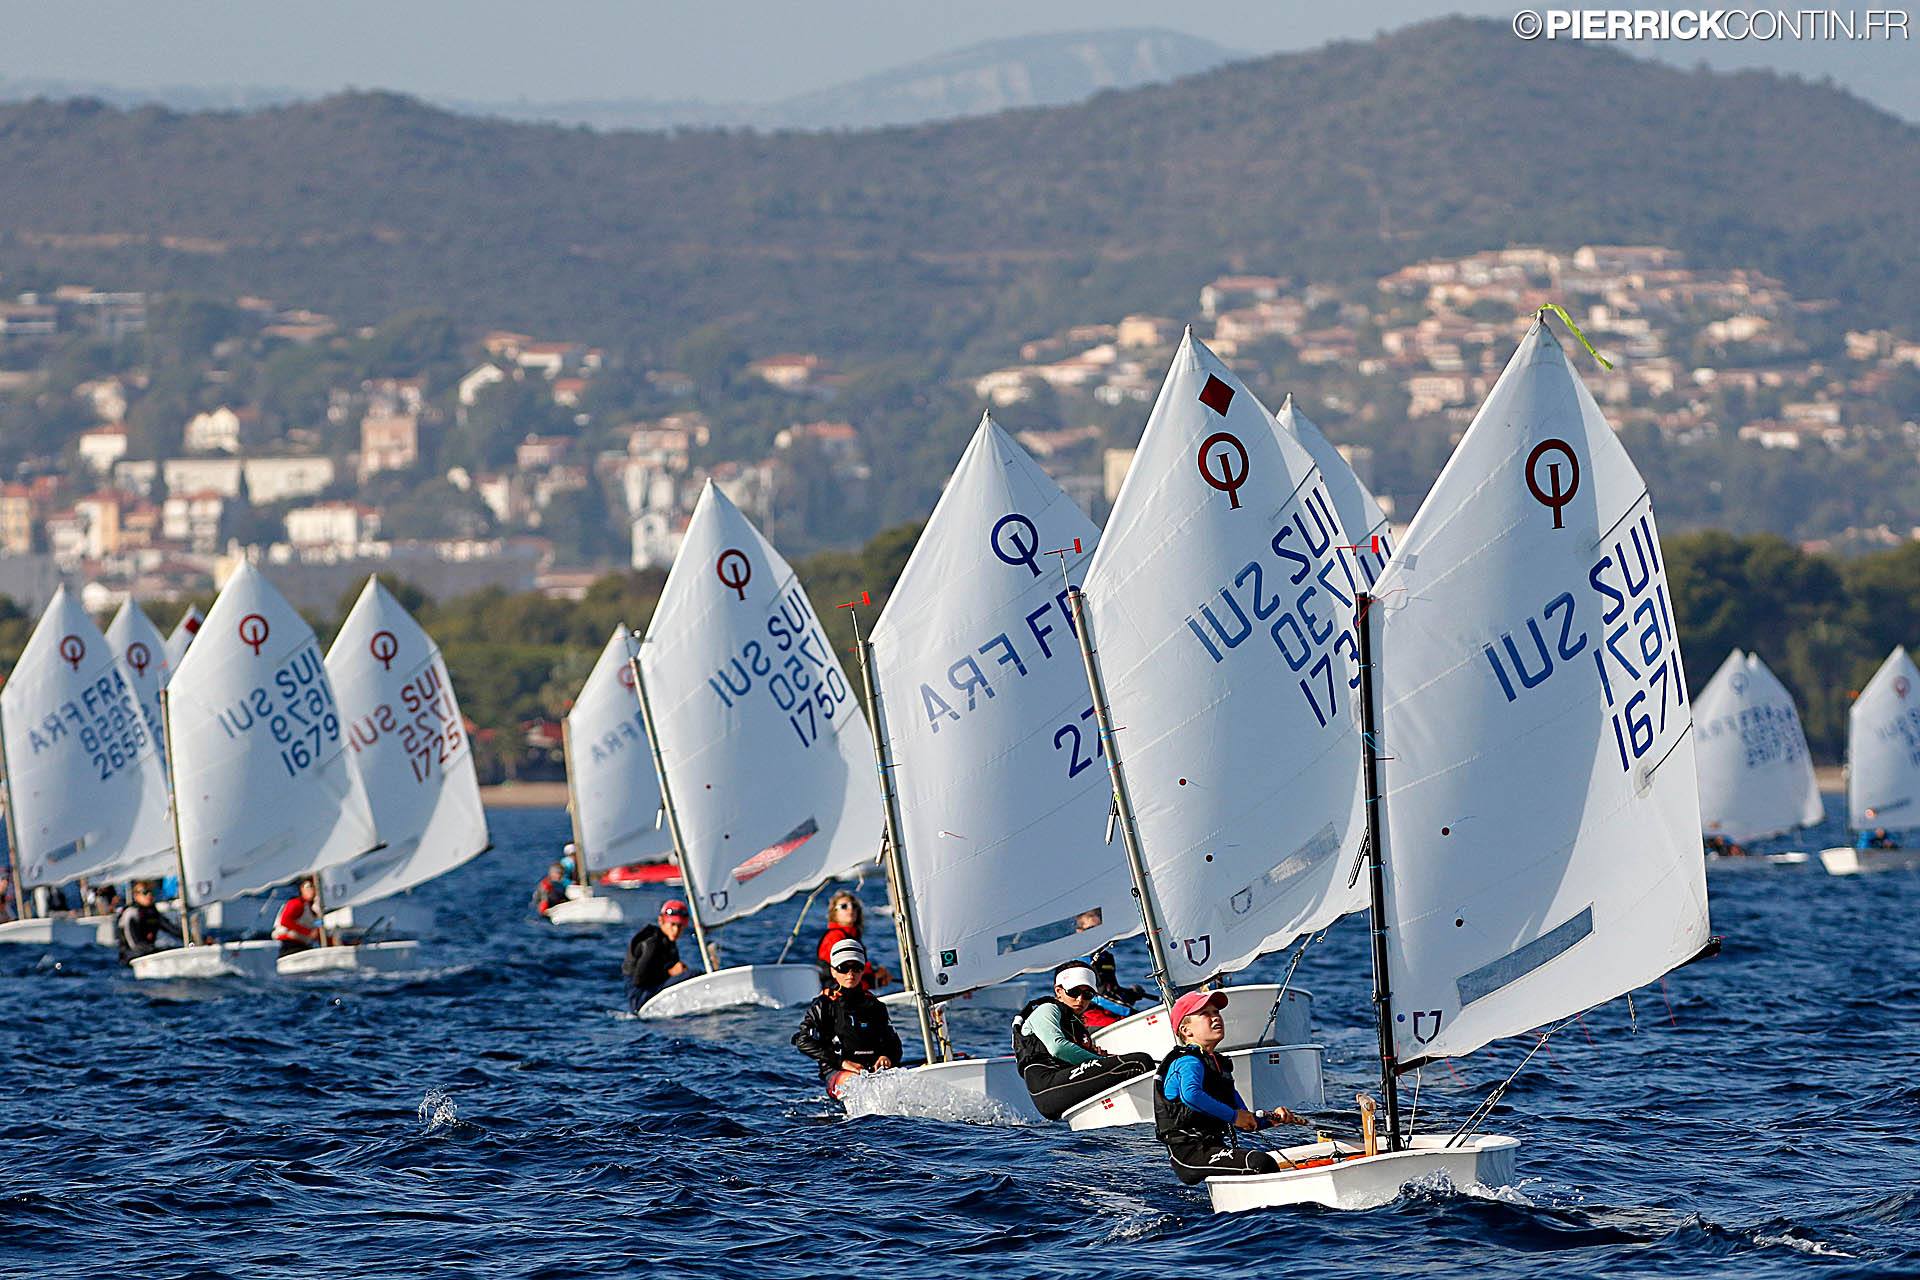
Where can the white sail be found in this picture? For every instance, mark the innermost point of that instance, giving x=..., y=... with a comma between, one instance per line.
x=1883, y=748
x=1222, y=612
x=767, y=755
x=1359, y=511
x=1003, y=794
x=264, y=785
x=83, y=768
x=183, y=633
x=1541, y=819
x=138, y=644
x=610, y=778
x=1756, y=775
x=410, y=747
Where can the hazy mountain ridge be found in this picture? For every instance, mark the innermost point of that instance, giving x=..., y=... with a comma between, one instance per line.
x=998, y=75
x=1356, y=158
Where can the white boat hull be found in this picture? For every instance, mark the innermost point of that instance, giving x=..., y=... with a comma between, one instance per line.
x=211, y=960
x=979, y=1089
x=401, y=916
x=1367, y=1182
x=1248, y=1008
x=1855, y=862
x=1006, y=998
x=1267, y=1076
x=367, y=957
x=1757, y=861
x=766, y=986
x=602, y=909
x=55, y=931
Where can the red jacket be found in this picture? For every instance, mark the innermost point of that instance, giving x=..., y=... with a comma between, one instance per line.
x=292, y=922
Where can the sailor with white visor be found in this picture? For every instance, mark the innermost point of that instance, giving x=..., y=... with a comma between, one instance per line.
x=1055, y=1053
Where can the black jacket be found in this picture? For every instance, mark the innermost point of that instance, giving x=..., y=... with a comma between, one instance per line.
x=651, y=956
x=1027, y=1049
x=140, y=927
x=846, y=1026
x=1174, y=1122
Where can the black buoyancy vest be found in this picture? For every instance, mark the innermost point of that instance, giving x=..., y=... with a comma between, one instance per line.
x=858, y=1027
x=1175, y=1121
x=1027, y=1049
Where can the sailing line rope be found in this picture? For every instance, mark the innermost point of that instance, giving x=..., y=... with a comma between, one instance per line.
x=1287, y=982
x=1479, y=1114
x=804, y=908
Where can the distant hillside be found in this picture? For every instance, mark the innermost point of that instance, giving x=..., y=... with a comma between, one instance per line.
x=998, y=75
x=939, y=238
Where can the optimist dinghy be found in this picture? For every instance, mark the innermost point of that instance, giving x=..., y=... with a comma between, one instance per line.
x=1883, y=768
x=410, y=747
x=85, y=777
x=985, y=764
x=264, y=788
x=1756, y=774
x=759, y=752
x=1532, y=810
x=613, y=795
x=1216, y=628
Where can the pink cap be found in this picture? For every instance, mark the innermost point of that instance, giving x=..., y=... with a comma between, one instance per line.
x=674, y=909
x=1193, y=1002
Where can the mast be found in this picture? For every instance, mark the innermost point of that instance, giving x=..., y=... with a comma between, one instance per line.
x=1376, y=877
x=895, y=854
x=13, y=833
x=573, y=803
x=173, y=809
x=1122, y=798
x=707, y=960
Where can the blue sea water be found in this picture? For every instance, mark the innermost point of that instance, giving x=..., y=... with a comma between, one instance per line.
x=500, y=1115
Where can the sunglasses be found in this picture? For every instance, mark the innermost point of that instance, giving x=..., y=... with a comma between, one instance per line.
x=1082, y=993
x=851, y=966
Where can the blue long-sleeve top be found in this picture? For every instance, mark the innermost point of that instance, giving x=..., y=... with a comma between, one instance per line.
x=1183, y=1085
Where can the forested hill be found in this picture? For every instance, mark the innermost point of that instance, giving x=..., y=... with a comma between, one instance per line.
x=1446, y=137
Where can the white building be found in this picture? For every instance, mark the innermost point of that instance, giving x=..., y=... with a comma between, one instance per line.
x=338, y=526
x=656, y=539
x=102, y=447
x=216, y=431
x=277, y=479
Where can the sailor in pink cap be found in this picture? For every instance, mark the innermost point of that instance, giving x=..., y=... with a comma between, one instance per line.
x=1197, y=1112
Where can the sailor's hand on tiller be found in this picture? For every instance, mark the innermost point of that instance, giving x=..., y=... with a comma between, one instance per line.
x=848, y=1064
x=1245, y=1121
x=882, y=1062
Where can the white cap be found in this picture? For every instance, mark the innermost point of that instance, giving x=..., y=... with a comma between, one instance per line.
x=846, y=949
x=569, y=851
x=1075, y=975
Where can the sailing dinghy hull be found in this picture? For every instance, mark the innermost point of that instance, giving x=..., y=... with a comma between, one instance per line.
x=1855, y=862
x=55, y=931
x=765, y=986
x=1248, y=1009
x=367, y=957
x=1267, y=1076
x=210, y=960
x=963, y=1089
x=1367, y=1182
x=600, y=910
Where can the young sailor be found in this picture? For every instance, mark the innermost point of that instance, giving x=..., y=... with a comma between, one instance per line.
x=140, y=924
x=1111, y=1001
x=845, y=919
x=653, y=954
x=846, y=1031
x=1196, y=1109
x=297, y=927
x=551, y=891
x=1055, y=1054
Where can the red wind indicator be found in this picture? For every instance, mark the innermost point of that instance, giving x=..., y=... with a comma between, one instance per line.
x=864, y=599
x=1061, y=551
x=1371, y=544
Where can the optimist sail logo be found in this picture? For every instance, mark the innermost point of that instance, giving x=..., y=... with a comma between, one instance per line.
x=72, y=650
x=734, y=570
x=253, y=632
